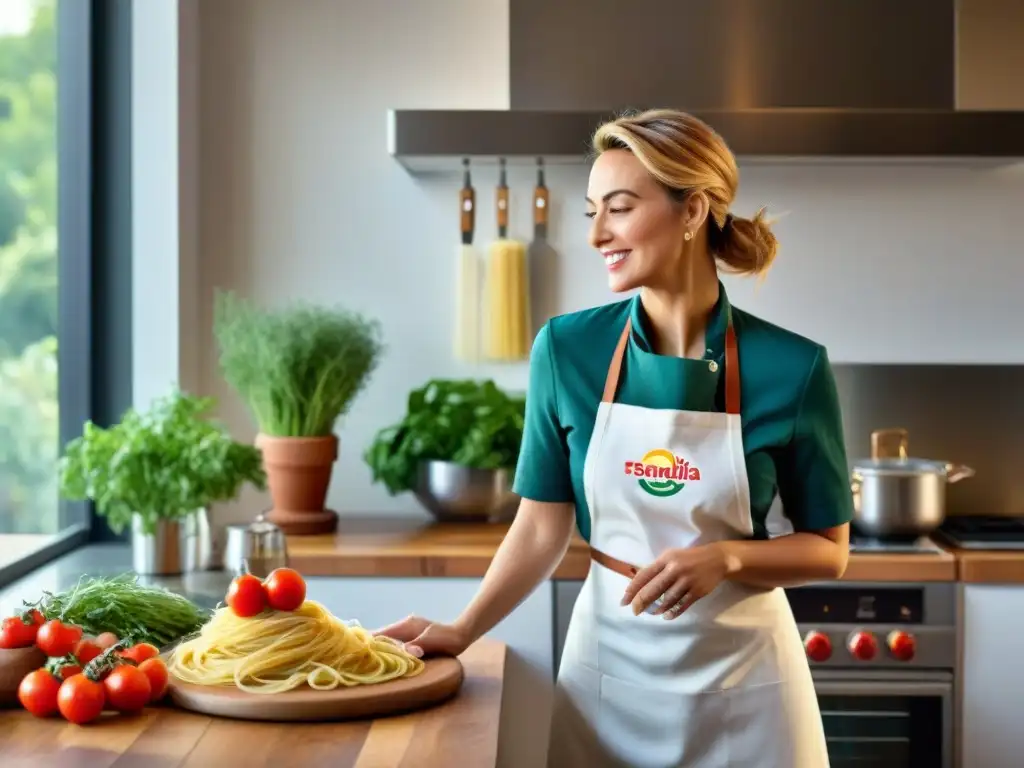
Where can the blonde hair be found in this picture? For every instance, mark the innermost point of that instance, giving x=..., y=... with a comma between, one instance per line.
x=685, y=155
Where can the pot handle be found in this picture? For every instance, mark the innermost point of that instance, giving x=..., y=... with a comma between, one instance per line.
x=956, y=472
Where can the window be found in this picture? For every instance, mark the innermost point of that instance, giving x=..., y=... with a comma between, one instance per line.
x=49, y=200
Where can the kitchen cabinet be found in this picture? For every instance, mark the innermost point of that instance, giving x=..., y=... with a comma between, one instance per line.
x=527, y=632
x=566, y=593
x=992, y=676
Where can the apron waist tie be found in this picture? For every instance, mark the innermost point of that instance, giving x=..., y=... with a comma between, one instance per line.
x=613, y=563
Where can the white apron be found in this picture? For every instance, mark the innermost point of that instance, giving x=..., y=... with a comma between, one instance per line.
x=727, y=683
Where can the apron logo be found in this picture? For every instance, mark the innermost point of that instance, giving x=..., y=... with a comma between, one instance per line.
x=662, y=473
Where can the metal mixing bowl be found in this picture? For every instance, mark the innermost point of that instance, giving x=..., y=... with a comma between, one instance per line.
x=453, y=493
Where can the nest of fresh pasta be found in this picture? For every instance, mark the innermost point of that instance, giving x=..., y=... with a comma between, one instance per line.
x=269, y=638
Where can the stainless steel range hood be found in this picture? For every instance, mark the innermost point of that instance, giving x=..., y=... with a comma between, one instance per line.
x=779, y=79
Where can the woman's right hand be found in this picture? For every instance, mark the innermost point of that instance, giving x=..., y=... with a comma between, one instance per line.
x=422, y=637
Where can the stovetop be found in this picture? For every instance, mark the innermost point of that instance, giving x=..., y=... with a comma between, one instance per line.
x=984, y=532
x=920, y=546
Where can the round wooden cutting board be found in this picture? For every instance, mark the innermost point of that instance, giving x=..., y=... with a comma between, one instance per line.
x=14, y=665
x=440, y=680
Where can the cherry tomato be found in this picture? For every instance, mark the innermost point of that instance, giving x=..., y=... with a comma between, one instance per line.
x=127, y=688
x=68, y=670
x=32, y=616
x=15, y=633
x=286, y=589
x=63, y=667
x=156, y=671
x=38, y=693
x=246, y=596
x=80, y=699
x=106, y=639
x=56, y=638
x=20, y=631
x=86, y=651
x=139, y=653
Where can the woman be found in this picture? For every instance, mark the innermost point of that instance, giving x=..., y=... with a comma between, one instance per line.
x=663, y=426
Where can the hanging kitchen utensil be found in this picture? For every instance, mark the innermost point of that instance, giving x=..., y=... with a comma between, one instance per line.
x=507, y=287
x=542, y=259
x=468, y=269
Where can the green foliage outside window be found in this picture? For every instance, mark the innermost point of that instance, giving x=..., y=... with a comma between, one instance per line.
x=29, y=439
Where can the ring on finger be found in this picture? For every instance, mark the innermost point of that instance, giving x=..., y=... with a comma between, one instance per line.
x=679, y=606
x=670, y=599
x=649, y=605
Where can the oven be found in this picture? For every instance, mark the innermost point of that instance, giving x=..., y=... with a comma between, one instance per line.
x=883, y=659
x=886, y=721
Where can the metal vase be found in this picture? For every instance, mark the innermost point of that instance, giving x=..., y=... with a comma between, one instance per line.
x=177, y=545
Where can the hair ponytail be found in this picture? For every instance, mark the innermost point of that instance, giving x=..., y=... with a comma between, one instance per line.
x=743, y=246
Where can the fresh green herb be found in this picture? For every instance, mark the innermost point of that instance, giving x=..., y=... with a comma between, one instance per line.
x=298, y=369
x=119, y=604
x=475, y=424
x=165, y=463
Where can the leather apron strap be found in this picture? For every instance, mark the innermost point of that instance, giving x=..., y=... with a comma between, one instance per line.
x=611, y=386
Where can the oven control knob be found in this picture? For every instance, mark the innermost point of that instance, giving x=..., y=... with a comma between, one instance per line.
x=901, y=645
x=862, y=646
x=818, y=646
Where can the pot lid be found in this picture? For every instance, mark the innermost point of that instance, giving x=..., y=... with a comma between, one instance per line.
x=262, y=525
x=896, y=466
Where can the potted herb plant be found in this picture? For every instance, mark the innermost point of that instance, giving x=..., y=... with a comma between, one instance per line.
x=456, y=449
x=298, y=370
x=158, y=472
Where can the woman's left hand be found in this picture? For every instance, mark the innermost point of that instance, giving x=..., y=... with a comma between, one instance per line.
x=679, y=577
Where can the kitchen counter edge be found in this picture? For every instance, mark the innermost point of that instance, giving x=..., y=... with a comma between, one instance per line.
x=989, y=566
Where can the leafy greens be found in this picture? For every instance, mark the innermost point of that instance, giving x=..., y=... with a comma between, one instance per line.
x=474, y=424
x=120, y=604
x=298, y=369
x=165, y=463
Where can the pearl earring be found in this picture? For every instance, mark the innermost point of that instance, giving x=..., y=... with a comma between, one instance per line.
x=687, y=236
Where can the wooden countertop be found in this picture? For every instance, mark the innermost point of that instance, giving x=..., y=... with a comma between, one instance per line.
x=423, y=547
x=990, y=566
x=462, y=731
x=892, y=566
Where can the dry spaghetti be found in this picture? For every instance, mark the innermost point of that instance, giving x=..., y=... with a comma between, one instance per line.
x=282, y=650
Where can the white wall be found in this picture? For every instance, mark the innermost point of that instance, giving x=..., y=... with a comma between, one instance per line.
x=300, y=200
x=165, y=197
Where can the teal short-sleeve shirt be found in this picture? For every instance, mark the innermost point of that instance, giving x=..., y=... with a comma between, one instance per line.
x=792, y=424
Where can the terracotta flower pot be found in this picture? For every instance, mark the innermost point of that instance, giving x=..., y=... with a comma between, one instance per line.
x=298, y=474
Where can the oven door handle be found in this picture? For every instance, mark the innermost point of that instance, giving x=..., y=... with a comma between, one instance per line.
x=881, y=688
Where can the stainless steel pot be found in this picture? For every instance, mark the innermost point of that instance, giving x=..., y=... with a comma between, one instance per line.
x=902, y=497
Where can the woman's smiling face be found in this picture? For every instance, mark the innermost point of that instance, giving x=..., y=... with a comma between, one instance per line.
x=637, y=226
